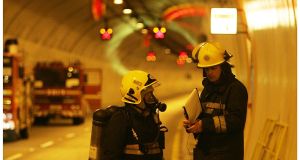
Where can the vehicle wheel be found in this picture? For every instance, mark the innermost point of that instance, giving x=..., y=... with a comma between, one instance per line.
x=24, y=133
x=77, y=121
x=41, y=120
x=9, y=136
x=45, y=120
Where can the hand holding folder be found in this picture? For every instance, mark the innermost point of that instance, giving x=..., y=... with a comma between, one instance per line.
x=192, y=107
x=186, y=115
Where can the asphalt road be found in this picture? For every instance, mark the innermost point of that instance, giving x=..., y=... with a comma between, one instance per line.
x=60, y=140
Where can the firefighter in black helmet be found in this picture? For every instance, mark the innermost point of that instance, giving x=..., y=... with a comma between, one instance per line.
x=136, y=134
x=220, y=127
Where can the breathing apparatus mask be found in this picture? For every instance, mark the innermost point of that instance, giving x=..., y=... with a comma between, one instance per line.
x=161, y=106
x=153, y=103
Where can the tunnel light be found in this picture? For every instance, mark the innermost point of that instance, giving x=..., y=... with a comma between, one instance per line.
x=167, y=51
x=189, y=60
x=163, y=29
x=102, y=31
x=118, y=1
x=159, y=32
x=155, y=29
x=139, y=25
x=182, y=55
x=109, y=31
x=182, y=58
x=98, y=9
x=223, y=21
x=180, y=62
x=127, y=11
x=144, y=31
x=151, y=57
x=271, y=15
x=106, y=33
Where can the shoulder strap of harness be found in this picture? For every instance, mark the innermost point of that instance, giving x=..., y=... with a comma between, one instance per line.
x=149, y=147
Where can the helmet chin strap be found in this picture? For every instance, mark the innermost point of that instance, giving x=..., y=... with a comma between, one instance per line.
x=145, y=108
x=141, y=107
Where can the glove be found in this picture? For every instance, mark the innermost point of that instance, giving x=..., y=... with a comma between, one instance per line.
x=193, y=128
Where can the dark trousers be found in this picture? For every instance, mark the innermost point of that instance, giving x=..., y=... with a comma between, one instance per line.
x=201, y=155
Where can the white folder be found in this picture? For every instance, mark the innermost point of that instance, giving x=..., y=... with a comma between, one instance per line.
x=193, y=105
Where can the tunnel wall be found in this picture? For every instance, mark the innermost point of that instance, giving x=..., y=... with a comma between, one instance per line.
x=273, y=48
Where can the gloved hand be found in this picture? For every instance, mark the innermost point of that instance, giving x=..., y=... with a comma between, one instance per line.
x=193, y=128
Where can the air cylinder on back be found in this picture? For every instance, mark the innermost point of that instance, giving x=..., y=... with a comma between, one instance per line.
x=100, y=119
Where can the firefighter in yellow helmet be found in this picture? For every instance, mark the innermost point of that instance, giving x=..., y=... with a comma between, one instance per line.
x=137, y=134
x=133, y=83
x=219, y=129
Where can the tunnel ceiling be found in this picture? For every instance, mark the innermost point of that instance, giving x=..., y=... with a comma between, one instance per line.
x=69, y=25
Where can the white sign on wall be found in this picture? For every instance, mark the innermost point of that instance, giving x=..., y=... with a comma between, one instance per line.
x=223, y=21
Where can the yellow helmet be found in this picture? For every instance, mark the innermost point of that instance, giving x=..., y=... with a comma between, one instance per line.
x=209, y=54
x=132, y=85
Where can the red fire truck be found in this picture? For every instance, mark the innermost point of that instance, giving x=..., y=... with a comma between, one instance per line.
x=92, y=87
x=17, y=106
x=58, y=92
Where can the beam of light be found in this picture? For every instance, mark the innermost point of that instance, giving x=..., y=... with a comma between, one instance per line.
x=121, y=32
x=175, y=27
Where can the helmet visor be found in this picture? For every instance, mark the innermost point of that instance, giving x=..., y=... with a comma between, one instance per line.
x=151, y=81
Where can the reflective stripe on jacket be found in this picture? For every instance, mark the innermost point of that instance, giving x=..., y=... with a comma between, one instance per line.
x=150, y=148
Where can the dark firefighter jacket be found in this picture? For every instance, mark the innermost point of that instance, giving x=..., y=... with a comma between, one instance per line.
x=224, y=114
x=120, y=142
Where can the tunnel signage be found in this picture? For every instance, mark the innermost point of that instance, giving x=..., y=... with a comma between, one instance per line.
x=223, y=21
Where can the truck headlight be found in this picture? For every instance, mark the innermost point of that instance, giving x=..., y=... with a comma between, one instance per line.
x=6, y=103
x=8, y=122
